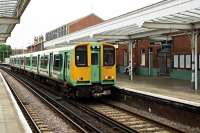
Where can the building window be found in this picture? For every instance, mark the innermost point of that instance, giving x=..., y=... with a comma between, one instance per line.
x=125, y=58
x=188, y=61
x=143, y=58
x=176, y=61
x=182, y=61
x=57, y=62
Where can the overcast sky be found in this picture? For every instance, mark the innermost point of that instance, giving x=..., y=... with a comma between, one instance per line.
x=42, y=16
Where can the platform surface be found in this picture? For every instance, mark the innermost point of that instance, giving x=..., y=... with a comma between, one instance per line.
x=162, y=87
x=9, y=121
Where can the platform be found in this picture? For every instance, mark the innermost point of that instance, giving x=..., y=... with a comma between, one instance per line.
x=161, y=87
x=11, y=118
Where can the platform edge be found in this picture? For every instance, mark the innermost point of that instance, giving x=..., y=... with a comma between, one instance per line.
x=21, y=117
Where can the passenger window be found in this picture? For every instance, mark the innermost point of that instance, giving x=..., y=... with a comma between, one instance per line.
x=44, y=62
x=81, y=56
x=58, y=62
x=22, y=61
x=108, y=56
x=34, y=61
x=28, y=62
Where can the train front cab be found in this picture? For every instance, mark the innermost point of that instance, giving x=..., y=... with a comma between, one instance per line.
x=94, y=70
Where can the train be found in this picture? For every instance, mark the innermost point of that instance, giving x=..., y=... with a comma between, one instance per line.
x=83, y=69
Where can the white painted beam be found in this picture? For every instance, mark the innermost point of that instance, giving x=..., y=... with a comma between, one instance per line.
x=6, y=20
x=4, y=35
x=119, y=37
x=160, y=38
x=178, y=26
x=151, y=33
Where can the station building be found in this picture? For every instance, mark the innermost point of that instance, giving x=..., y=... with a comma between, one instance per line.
x=170, y=57
x=64, y=30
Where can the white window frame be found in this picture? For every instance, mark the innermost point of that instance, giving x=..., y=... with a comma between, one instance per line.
x=188, y=61
x=142, y=58
x=176, y=61
x=182, y=61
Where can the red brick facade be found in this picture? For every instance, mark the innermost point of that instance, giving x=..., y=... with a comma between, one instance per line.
x=84, y=22
x=140, y=45
x=182, y=44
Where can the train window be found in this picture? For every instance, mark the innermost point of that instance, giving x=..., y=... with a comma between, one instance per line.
x=57, y=62
x=44, y=61
x=81, y=56
x=22, y=60
x=109, y=56
x=94, y=58
x=34, y=61
x=28, y=62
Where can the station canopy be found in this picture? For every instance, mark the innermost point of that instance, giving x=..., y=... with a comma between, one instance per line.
x=162, y=18
x=10, y=13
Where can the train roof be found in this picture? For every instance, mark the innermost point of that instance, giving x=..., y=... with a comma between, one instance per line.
x=45, y=51
x=69, y=47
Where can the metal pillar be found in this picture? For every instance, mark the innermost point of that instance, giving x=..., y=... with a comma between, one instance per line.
x=196, y=62
x=130, y=52
x=194, y=80
x=149, y=62
x=193, y=59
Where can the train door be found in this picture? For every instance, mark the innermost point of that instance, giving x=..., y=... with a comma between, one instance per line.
x=95, y=64
x=50, y=64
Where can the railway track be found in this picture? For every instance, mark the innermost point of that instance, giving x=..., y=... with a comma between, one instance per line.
x=87, y=120
x=138, y=123
x=58, y=108
x=95, y=117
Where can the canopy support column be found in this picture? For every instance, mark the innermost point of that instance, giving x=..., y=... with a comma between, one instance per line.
x=196, y=62
x=149, y=63
x=130, y=51
x=194, y=80
x=193, y=61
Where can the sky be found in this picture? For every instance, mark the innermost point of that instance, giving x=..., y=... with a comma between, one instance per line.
x=42, y=16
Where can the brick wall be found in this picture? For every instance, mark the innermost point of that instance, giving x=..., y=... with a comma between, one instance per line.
x=143, y=44
x=182, y=45
x=85, y=22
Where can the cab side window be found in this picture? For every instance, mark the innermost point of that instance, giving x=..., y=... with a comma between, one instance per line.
x=81, y=56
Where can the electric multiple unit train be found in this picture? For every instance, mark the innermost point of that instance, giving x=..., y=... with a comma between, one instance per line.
x=84, y=69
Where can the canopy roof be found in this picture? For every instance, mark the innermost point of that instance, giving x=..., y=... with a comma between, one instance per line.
x=174, y=15
x=10, y=13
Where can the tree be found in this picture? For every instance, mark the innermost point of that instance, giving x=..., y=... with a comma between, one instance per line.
x=5, y=51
